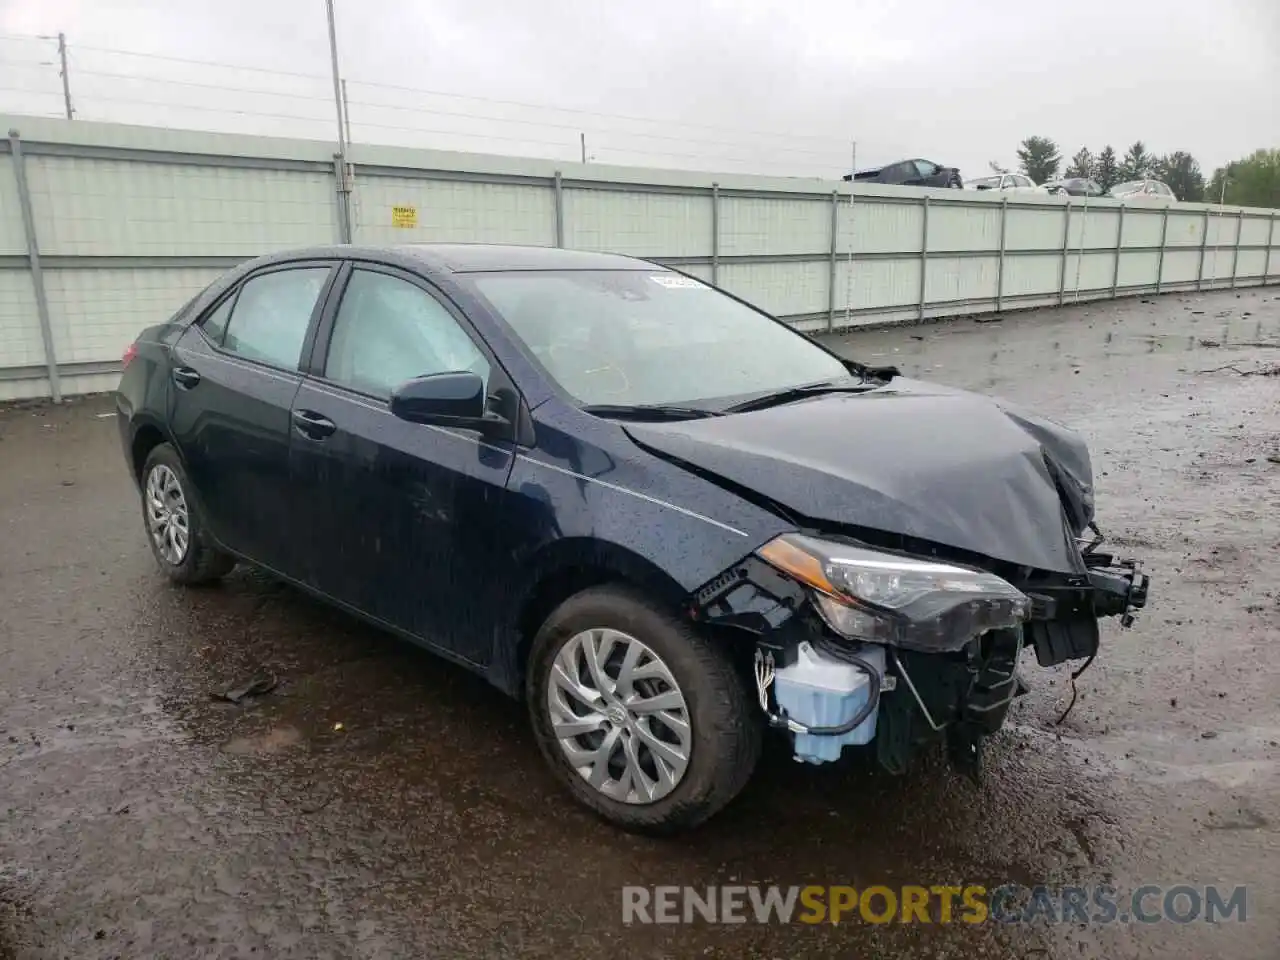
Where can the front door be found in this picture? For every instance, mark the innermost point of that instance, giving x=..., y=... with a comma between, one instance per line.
x=406, y=522
x=235, y=373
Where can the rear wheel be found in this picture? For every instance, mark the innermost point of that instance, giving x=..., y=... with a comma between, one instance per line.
x=643, y=719
x=956, y=183
x=175, y=529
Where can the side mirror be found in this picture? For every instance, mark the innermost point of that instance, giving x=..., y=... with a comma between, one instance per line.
x=446, y=399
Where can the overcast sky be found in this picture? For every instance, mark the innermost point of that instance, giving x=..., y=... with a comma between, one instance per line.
x=961, y=83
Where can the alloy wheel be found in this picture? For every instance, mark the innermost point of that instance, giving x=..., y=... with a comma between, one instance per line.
x=619, y=716
x=167, y=516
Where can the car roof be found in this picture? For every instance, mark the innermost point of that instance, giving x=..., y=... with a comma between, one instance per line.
x=475, y=257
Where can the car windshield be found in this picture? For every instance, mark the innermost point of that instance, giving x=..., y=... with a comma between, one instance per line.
x=1133, y=186
x=983, y=182
x=627, y=337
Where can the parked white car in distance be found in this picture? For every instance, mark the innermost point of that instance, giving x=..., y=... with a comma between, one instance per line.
x=1143, y=190
x=1004, y=183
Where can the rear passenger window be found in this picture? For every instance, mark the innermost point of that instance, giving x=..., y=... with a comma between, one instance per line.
x=271, y=315
x=388, y=331
x=215, y=324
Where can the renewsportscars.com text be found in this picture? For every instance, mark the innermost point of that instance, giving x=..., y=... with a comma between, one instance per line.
x=1009, y=903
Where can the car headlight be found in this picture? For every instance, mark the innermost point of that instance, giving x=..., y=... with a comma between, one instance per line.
x=879, y=597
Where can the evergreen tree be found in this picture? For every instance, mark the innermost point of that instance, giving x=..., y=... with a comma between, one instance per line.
x=1105, y=170
x=1181, y=172
x=1038, y=158
x=1137, y=162
x=1081, y=164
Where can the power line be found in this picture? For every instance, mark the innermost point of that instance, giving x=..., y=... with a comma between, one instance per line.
x=191, y=106
x=206, y=86
x=608, y=132
x=131, y=101
x=463, y=134
x=43, y=66
x=26, y=38
x=446, y=113
x=452, y=95
x=578, y=127
x=200, y=63
x=29, y=92
x=594, y=113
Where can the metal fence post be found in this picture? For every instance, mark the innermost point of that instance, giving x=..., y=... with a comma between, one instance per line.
x=715, y=234
x=33, y=262
x=345, y=231
x=1235, y=250
x=831, y=268
x=1204, y=242
x=1164, y=236
x=1066, y=247
x=1271, y=239
x=558, y=187
x=1004, y=228
x=1115, y=273
x=924, y=255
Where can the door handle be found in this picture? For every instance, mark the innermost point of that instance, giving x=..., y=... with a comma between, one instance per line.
x=312, y=425
x=186, y=377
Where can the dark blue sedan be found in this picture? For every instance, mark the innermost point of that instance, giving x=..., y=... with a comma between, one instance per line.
x=665, y=519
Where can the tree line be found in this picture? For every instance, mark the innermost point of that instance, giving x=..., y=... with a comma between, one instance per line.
x=1253, y=181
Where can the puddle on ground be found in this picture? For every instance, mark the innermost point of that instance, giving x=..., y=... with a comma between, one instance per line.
x=275, y=740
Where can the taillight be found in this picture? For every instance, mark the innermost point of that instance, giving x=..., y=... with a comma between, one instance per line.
x=130, y=352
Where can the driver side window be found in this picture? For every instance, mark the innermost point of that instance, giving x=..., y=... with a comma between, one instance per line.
x=388, y=331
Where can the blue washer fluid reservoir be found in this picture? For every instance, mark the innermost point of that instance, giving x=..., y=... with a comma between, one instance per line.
x=822, y=691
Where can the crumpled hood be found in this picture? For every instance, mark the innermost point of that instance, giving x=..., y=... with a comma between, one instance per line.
x=908, y=458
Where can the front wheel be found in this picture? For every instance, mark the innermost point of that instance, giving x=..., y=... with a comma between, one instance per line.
x=175, y=529
x=642, y=718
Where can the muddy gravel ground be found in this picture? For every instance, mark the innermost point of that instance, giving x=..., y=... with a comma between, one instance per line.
x=140, y=818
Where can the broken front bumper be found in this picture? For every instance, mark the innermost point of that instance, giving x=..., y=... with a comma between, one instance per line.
x=913, y=696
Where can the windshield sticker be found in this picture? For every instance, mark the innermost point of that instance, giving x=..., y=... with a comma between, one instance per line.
x=673, y=281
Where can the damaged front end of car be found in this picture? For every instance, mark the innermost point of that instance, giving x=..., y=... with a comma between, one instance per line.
x=856, y=643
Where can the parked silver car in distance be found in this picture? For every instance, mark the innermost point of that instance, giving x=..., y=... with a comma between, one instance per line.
x=1143, y=190
x=1004, y=183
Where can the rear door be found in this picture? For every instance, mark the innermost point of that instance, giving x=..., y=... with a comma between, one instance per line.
x=898, y=173
x=406, y=522
x=235, y=372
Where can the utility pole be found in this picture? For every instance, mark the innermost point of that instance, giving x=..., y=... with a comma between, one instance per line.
x=344, y=186
x=66, y=79
x=582, y=137
x=346, y=109
x=848, y=273
x=337, y=82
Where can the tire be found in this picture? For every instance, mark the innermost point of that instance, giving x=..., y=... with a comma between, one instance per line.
x=724, y=731
x=190, y=559
x=955, y=183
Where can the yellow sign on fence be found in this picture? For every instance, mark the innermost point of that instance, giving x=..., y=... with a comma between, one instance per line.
x=404, y=216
